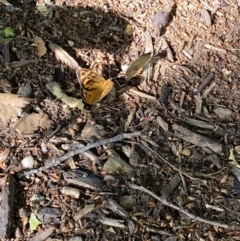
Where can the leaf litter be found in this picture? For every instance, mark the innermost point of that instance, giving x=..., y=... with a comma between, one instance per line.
x=181, y=120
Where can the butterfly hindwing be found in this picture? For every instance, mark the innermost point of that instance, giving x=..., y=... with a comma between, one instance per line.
x=93, y=86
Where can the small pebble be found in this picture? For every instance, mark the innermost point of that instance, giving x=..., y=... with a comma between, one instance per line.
x=28, y=162
x=186, y=152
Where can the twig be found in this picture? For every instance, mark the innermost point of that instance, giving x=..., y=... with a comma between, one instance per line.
x=17, y=64
x=208, y=46
x=169, y=164
x=141, y=94
x=208, y=90
x=57, y=161
x=165, y=202
x=53, y=132
x=205, y=82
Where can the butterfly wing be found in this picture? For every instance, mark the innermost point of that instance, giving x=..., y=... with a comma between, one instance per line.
x=93, y=86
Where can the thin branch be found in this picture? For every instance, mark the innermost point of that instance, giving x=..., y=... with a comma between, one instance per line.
x=169, y=164
x=205, y=82
x=57, y=161
x=165, y=202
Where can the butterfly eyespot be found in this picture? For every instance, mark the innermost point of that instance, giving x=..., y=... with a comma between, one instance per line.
x=93, y=86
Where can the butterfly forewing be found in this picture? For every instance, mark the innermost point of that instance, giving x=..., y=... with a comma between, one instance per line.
x=93, y=86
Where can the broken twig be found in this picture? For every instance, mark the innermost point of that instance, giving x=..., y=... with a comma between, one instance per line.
x=165, y=202
x=57, y=161
x=205, y=82
x=169, y=164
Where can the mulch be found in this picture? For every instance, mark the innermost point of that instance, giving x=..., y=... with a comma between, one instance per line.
x=161, y=150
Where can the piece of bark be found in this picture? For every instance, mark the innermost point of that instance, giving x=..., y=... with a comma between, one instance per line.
x=112, y=222
x=205, y=82
x=199, y=123
x=6, y=208
x=6, y=53
x=83, y=179
x=84, y=212
x=162, y=123
x=171, y=186
x=73, y=192
x=43, y=235
x=160, y=20
x=116, y=208
x=198, y=102
x=49, y=215
x=206, y=17
x=196, y=139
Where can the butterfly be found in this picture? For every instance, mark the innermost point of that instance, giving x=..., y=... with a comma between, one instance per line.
x=93, y=86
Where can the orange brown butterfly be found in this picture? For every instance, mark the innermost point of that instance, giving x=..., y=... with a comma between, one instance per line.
x=93, y=86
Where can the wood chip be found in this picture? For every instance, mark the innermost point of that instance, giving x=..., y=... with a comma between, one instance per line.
x=196, y=139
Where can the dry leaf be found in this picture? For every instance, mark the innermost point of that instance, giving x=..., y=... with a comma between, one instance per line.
x=11, y=106
x=62, y=55
x=136, y=65
x=32, y=122
x=237, y=149
x=8, y=114
x=233, y=159
x=14, y=100
x=41, y=7
x=129, y=29
x=224, y=179
x=115, y=164
x=40, y=44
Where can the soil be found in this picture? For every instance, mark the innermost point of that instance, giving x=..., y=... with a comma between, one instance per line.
x=180, y=113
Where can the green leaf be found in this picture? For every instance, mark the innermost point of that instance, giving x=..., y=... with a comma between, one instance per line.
x=9, y=32
x=33, y=222
x=6, y=35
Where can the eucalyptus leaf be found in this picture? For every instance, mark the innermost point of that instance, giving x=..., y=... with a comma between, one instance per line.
x=136, y=65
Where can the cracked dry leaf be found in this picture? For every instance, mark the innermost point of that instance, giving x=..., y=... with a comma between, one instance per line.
x=11, y=106
x=7, y=114
x=237, y=149
x=32, y=122
x=14, y=100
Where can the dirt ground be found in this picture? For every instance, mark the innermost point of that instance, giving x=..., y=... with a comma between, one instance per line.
x=173, y=172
